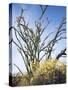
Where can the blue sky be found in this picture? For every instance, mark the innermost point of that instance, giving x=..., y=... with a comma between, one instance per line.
x=32, y=14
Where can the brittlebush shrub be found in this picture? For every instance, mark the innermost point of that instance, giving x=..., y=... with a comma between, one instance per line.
x=21, y=80
x=15, y=79
x=25, y=81
x=50, y=72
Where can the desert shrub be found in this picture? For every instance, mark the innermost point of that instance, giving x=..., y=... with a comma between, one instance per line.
x=20, y=80
x=14, y=79
x=25, y=80
x=50, y=72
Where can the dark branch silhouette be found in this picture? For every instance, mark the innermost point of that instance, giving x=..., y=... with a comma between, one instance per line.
x=62, y=53
x=43, y=11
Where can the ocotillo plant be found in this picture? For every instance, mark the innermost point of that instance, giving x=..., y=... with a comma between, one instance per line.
x=29, y=42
